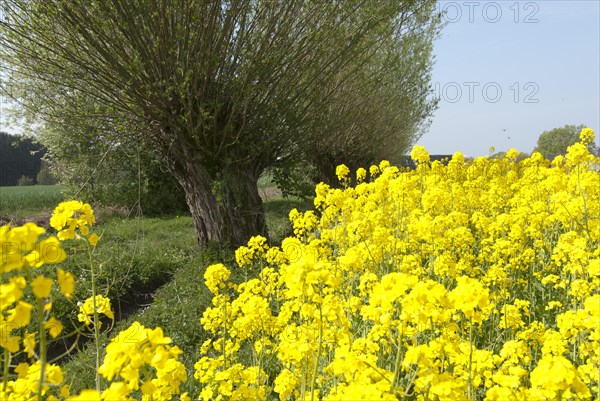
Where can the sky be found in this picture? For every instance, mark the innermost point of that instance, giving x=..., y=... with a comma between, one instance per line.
x=506, y=71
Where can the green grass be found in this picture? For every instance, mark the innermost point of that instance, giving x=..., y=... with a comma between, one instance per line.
x=29, y=201
x=133, y=258
x=266, y=181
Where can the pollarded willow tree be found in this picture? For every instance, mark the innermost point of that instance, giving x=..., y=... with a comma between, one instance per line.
x=380, y=109
x=220, y=89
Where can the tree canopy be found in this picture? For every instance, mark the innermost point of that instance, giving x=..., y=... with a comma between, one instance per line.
x=222, y=90
x=19, y=157
x=556, y=141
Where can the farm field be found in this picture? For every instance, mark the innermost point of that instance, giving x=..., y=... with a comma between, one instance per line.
x=28, y=201
x=467, y=281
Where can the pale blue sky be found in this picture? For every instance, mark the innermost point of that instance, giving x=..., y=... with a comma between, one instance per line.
x=506, y=71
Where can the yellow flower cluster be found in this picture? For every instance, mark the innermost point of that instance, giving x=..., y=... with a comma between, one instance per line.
x=137, y=360
x=146, y=352
x=464, y=281
x=21, y=248
x=86, y=309
x=419, y=154
x=22, y=253
x=342, y=172
x=303, y=223
x=245, y=256
x=361, y=174
x=251, y=317
x=25, y=386
x=72, y=215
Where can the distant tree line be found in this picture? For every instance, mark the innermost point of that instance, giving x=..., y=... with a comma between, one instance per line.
x=20, y=160
x=557, y=141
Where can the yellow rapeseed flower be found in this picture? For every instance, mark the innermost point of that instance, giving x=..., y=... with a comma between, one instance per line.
x=41, y=286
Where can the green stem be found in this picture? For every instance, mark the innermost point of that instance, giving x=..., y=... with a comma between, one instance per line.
x=396, y=376
x=224, y=335
x=96, y=320
x=67, y=352
x=314, y=377
x=6, y=366
x=471, y=360
x=42, y=348
x=303, y=384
